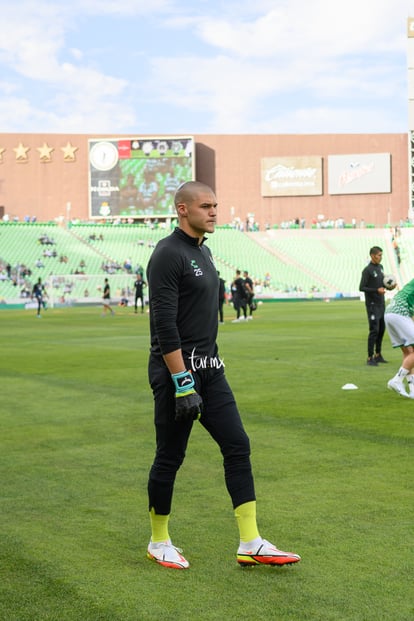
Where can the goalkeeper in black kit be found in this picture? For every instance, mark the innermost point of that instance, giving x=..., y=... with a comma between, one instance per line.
x=187, y=378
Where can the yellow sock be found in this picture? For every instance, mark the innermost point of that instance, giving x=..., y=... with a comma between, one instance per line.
x=159, y=527
x=246, y=521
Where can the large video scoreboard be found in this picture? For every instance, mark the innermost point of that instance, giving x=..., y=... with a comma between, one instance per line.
x=137, y=177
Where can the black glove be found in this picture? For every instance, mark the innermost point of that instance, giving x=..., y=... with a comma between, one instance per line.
x=188, y=403
x=188, y=406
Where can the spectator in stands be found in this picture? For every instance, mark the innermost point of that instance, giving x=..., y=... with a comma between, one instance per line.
x=25, y=271
x=248, y=286
x=139, y=285
x=372, y=286
x=45, y=240
x=128, y=265
x=239, y=296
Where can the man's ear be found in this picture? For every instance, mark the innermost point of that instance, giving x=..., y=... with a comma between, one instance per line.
x=182, y=210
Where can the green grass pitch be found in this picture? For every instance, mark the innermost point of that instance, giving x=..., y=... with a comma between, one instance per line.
x=333, y=470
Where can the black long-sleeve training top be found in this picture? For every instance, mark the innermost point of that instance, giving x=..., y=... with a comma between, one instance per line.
x=372, y=279
x=183, y=295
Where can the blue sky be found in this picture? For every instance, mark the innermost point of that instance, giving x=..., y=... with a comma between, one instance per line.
x=204, y=66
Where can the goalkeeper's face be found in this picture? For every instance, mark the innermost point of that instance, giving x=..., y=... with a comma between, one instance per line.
x=199, y=216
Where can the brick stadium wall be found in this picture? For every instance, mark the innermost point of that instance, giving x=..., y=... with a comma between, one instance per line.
x=229, y=163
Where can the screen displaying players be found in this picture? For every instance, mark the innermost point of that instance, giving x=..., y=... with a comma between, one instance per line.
x=137, y=177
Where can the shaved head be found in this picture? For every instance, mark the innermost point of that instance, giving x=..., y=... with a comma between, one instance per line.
x=196, y=207
x=188, y=191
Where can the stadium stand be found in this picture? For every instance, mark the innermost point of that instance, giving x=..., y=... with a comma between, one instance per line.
x=332, y=259
x=283, y=262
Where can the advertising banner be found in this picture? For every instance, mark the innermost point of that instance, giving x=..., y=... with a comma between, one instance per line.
x=363, y=173
x=291, y=176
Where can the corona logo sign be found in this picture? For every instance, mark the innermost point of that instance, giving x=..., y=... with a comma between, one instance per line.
x=410, y=27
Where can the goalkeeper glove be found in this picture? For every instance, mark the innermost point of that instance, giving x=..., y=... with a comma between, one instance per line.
x=188, y=403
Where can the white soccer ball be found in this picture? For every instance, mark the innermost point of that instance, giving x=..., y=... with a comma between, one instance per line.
x=390, y=281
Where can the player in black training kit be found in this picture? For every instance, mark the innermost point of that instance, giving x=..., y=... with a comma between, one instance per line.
x=372, y=284
x=39, y=292
x=187, y=378
x=139, y=285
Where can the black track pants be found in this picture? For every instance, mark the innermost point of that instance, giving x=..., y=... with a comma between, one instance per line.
x=220, y=418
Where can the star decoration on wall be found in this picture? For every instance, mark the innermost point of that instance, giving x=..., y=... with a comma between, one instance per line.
x=69, y=152
x=45, y=152
x=1, y=154
x=21, y=152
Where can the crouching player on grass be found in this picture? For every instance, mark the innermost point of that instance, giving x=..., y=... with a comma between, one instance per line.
x=400, y=325
x=187, y=378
